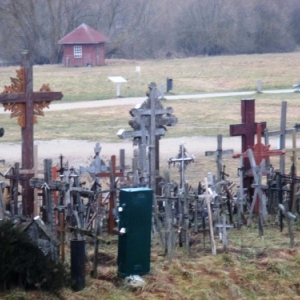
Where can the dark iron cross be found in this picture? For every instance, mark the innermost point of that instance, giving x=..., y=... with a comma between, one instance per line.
x=247, y=129
x=25, y=104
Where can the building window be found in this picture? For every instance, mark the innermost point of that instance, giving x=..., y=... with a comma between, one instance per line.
x=77, y=51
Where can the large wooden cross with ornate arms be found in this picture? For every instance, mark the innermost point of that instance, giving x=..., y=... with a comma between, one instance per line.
x=25, y=104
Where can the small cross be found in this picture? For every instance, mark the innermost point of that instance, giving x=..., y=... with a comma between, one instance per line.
x=219, y=155
x=260, y=151
x=182, y=160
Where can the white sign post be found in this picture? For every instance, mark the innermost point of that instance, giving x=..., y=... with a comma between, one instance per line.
x=117, y=80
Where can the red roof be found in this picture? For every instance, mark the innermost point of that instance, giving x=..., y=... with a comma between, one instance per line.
x=83, y=34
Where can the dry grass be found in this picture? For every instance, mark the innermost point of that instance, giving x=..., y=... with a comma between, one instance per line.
x=253, y=268
x=196, y=117
x=190, y=75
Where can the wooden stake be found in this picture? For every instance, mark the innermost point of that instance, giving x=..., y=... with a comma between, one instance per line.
x=210, y=221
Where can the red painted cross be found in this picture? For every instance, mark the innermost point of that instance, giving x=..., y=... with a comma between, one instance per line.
x=248, y=127
x=260, y=151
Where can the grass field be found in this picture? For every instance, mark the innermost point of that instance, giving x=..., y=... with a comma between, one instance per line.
x=200, y=117
x=253, y=267
x=190, y=75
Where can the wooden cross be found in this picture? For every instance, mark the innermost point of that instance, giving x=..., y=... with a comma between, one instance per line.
x=257, y=172
x=289, y=217
x=259, y=150
x=294, y=168
x=25, y=104
x=247, y=129
x=149, y=123
x=112, y=174
x=282, y=134
x=219, y=155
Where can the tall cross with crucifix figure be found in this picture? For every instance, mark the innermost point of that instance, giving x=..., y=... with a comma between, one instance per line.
x=25, y=104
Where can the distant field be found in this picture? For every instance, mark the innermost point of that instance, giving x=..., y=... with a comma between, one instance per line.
x=196, y=117
x=190, y=75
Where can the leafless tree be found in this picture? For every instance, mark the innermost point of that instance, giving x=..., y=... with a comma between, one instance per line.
x=151, y=28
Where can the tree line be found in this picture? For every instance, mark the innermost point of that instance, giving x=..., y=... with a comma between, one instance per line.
x=149, y=29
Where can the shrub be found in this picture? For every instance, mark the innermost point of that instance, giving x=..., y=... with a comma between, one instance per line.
x=23, y=264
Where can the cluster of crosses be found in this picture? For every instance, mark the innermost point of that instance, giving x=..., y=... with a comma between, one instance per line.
x=172, y=201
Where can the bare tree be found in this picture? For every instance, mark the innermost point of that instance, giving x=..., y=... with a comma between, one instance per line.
x=151, y=28
x=271, y=34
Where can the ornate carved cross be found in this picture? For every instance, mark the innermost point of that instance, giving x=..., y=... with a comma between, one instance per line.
x=25, y=104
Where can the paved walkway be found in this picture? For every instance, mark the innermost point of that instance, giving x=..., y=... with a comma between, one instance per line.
x=136, y=100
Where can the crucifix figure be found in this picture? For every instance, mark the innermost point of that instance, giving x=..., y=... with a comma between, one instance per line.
x=25, y=104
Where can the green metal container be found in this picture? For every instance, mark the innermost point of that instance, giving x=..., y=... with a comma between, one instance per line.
x=135, y=214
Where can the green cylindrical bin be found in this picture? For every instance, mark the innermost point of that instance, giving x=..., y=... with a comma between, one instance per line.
x=78, y=264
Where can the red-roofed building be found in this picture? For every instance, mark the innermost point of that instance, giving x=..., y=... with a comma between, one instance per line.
x=84, y=46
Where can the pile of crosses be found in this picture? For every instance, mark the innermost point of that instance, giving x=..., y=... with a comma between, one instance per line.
x=59, y=202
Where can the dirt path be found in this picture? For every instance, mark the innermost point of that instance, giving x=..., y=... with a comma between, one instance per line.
x=79, y=152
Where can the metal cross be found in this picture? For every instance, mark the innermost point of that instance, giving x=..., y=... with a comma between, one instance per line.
x=182, y=159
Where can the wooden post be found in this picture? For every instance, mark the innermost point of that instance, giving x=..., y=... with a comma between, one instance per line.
x=96, y=240
x=282, y=135
x=35, y=191
x=210, y=220
x=62, y=234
